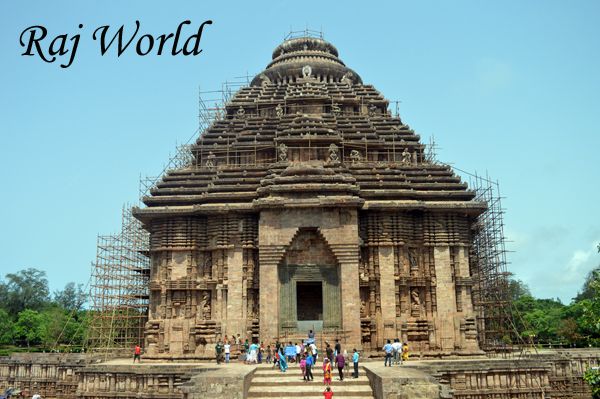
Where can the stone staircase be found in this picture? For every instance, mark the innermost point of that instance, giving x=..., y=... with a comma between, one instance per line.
x=269, y=382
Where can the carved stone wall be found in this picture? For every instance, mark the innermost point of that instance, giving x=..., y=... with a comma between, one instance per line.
x=203, y=283
x=415, y=281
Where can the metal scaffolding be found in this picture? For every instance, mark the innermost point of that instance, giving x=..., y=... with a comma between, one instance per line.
x=489, y=268
x=119, y=288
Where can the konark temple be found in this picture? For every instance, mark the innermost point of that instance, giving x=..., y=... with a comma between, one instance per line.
x=305, y=205
x=309, y=206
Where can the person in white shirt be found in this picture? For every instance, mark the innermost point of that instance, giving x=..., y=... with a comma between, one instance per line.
x=397, y=347
x=227, y=348
x=298, y=352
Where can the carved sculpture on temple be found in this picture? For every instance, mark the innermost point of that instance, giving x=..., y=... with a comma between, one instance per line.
x=205, y=305
x=415, y=303
x=355, y=156
x=335, y=109
x=210, y=160
x=283, y=152
x=333, y=153
x=279, y=110
x=406, y=156
x=306, y=71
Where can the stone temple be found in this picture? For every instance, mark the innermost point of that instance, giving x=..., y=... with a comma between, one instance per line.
x=307, y=205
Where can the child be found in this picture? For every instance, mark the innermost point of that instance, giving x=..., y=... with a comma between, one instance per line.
x=303, y=366
x=327, y=372
x=268, y=354
x=328, y=393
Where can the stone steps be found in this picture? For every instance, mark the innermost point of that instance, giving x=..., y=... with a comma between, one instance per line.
x=269, y=382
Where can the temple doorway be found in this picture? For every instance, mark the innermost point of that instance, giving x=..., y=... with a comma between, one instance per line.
x=309, y=285
x=309, y=300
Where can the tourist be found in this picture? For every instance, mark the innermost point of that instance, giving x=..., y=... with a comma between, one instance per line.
x=397, y=347
x=253, y=355
x=338, y=347
x=218, y=351
x=340, y=362
x=227, y=350
x=329, y=352
x=298, y=352
x=355, y=357
x=312, y=348
x=388, y=349
x=328, y=393
x=137, y=353
x=310, y=361
x=327, y=372
x=269, y=354
x=261, y=351
x=303, y=366
x=311, y=337
x=282, y=362
x=246, y=346
x=243, y=356
x=275, y=359
x=405, y=351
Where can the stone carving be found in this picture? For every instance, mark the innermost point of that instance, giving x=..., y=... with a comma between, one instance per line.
x=279, y=110
x=406, y=157
x=415, y=303
x=372, y=110
x=333, y=153
x=210, y=160
x=241, y=112
x=347, y=78
x=336, y=110
x=414, y=296
x=414, y=157
x=205, y=305
x=306, y=71
x=355, y=156
x=363, y=308
x=283, y=152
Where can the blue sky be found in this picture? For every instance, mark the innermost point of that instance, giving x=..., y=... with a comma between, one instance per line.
x=511, y=88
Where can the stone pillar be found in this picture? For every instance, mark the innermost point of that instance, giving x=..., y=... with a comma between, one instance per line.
x=387, y=291
x=446, y=299
x=462, y=262
x=235, y=301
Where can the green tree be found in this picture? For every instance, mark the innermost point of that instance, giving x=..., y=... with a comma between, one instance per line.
x=7, y=328
x=71, y=298
x=26, y=289
x=30, y=327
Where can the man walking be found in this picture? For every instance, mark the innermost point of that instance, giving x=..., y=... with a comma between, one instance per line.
x=310, y=361
x=388, y=349
x=341, y=362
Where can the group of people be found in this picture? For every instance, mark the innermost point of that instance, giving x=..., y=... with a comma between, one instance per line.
x=248, y=352
x=396, y=352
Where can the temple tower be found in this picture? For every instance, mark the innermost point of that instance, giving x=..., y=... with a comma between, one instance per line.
x=307, y=205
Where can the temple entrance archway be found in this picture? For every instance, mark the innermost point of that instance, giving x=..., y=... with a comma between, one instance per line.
x=309, y=285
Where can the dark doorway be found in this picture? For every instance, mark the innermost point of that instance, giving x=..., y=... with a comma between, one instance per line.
x=309, y=300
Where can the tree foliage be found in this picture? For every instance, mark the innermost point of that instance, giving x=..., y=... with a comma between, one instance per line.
x=29, y=318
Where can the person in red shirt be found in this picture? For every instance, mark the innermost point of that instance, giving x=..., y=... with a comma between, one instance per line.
x=328, y=393
x=137, y=353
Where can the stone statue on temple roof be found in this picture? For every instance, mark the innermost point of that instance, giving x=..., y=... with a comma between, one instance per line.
x=283, y=152
x=333, y=153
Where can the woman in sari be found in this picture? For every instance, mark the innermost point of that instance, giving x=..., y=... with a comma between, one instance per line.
x=282, y=361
